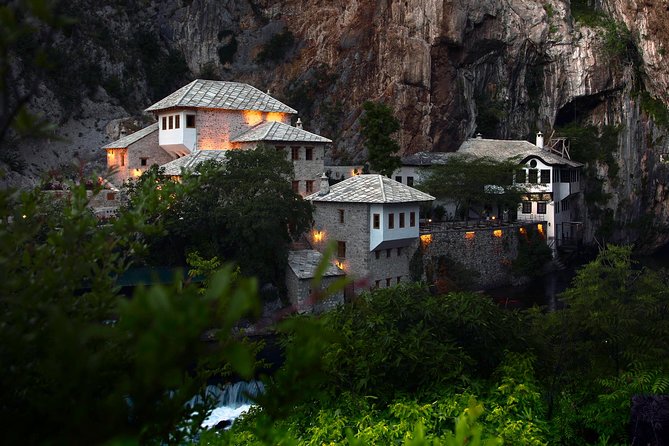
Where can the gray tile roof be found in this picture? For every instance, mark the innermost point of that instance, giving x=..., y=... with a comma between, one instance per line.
x=501, y=150
x=304, y=264
x=221, y=94
x=192, y=160
x=132, y=138
x=371, y=189
x=426, y=158
x=278, y=131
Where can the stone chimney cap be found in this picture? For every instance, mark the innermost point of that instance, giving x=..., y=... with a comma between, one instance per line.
x=325, y=185
x=479, y=136
x=298, y=124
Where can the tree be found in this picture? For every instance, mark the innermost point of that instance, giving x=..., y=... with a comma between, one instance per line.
x=376, y=126
x=474, y=182
x=244, y=210
x=84, y=364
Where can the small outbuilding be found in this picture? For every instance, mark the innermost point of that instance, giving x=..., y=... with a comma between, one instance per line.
x=302, y=266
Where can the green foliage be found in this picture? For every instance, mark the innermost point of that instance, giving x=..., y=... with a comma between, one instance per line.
x=79, y=351
x=533, y=254
x=277, y=47
x=464, y=179
x=377, y=125
x=655, y=108
x=585, y=13
x=244, y=210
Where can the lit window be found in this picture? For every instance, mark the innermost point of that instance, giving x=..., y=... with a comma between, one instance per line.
x=309, y=153
x=401, y=219
x=527, y=207
x=409, y=181
x=545, y=176
x=377, y=221
x=164, y=122
x=309, y=186
x=170, y=121
x=190, y=121
x=391, y=221
x=177, y=121
x=341, y=216
x=341, y=250
x=398, y=179
x=295, y=153
x=143, y=161
x=412, y=219
x=541, y=208
x=469, y=235
x=296, y=186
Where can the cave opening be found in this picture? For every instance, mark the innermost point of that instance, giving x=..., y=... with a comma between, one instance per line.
x=577, y=110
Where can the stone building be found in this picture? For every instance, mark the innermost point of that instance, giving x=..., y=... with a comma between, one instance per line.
x=300, y=275
x=374, y=222
x=208, y=115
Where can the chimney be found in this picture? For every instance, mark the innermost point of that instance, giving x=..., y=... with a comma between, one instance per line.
x=122, y=132
x=325, y=185
x=479, y=136
x=298, y=124
x=540, y=140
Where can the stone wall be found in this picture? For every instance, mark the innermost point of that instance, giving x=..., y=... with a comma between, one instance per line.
x=305, y=170
x=392, y=264
x=146, y=147
x=487, y=252
x=215, y=128
x=300, y=294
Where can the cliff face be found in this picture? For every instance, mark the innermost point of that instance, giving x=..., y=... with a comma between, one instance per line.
x=449, y=68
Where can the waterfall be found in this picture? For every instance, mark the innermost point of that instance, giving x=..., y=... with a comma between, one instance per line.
x=231, y=401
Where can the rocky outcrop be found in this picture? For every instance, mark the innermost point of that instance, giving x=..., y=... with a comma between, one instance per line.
x=449, y=68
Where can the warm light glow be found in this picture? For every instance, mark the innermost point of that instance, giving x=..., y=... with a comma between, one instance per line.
x=540, y=228
x=425, y=240
x=354, y=172
x=207, y=144
x=318, y=236
x=136, y=173
x=497, y=232
x=522, y=231
x=110, y=154
x=340, y=265
x=469, y=235
x=252, y=117
x=275, y=117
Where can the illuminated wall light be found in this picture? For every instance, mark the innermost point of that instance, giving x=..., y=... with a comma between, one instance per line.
x=340, y=265
x=540, y=228
x=318, y=236
x=136, y=173
x=469, y=235
x=497, y=233
x=522, y=231
x=425, y=240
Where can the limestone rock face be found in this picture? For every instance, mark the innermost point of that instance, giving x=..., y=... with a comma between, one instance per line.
x=449, y=68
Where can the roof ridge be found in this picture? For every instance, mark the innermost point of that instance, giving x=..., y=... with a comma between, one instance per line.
x=190, y=87
x=383, y=190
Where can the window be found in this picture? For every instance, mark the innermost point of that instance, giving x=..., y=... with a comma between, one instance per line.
x=412, y=219
x=388, y=282
x=377, y=254
x=170, y=121
x=164, y=122
x=401, y=219
x=341, y=249
x=310, y=186
x=376, y=221
x=545, y=176
x=295, y=153
x=143, y=161
x=541, y=207
x=296, y=186
x=177, y=121
x=110, y=196
x=409, y=181
x=309, y=153
x=377, y=283
x=388, y=252
x=533, y=176
x=399, y=278
x=190, y=121
x=564, y=175
x=341, y=216
x=391, y=221
x=527, y=207
x=123, y=159
x=399, y=252
x=398, y=179
x=521, y=176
